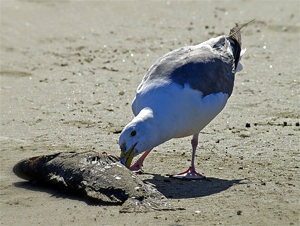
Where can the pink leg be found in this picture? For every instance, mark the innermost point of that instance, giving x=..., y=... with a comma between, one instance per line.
x=137, y=166
x=191, y=173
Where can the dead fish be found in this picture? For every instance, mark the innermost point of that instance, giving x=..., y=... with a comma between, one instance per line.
x=99, y=175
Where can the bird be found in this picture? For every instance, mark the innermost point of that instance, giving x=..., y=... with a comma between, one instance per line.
x=181, y=93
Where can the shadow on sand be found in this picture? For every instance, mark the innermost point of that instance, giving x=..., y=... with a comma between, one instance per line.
x=181, y=189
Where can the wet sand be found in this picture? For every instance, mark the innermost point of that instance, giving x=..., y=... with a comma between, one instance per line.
x=69, y=71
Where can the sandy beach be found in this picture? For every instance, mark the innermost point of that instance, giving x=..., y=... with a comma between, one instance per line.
x=69, y=72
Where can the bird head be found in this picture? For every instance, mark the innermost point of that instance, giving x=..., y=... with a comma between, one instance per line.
x=138, y=136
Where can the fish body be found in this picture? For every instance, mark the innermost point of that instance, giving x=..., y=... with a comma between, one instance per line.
x=99, y=175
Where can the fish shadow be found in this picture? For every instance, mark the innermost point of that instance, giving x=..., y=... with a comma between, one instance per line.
x=59, y=191
x=171, y=188
x=174, y=188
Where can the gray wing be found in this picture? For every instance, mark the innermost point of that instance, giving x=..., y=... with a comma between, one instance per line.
x=208, y=68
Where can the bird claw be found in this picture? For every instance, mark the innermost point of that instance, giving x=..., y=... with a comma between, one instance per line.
x=189, y=174
x=137, y=167
x=139, y=171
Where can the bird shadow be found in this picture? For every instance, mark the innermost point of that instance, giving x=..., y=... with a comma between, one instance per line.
x=174, y=188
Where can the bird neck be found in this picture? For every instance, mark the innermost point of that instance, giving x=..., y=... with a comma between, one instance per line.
x=145, y=115
x=157, y=123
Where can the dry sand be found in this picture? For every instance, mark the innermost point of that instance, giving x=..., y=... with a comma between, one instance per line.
x=69, y=71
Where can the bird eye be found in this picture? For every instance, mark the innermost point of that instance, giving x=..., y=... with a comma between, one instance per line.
x=133, y=133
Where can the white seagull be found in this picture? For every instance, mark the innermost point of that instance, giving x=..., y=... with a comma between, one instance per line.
x=179, y=95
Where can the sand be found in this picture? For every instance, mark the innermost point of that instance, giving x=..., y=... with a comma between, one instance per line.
x=69, y=71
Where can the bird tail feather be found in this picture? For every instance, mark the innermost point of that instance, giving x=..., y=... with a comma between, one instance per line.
x=235, y=33
x=236, y=43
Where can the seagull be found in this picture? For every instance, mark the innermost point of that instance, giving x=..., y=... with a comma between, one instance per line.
x=181, y=93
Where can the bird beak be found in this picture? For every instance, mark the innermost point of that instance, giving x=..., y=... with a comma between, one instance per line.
x=126, y=159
